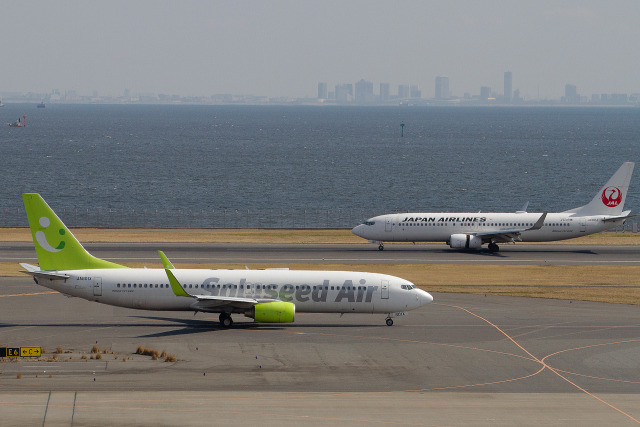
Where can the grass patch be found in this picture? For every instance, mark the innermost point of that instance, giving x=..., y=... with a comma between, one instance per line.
x=155, y=354
x=257, y=235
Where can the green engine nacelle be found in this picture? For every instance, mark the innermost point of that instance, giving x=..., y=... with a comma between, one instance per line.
x=273, y=312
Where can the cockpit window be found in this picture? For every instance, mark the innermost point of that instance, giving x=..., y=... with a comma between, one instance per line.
x=369, y=222
x=408, y=287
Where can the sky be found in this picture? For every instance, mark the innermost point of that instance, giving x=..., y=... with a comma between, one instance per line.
x=285, y=47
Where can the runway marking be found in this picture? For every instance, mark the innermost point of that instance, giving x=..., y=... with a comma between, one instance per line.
x=544, y=364
x=591, y=346
x=240, y=259
x=28, y=294
x=164, y=408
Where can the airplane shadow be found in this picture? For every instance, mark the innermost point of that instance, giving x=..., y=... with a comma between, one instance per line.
x=484, y=251
x=195, y=326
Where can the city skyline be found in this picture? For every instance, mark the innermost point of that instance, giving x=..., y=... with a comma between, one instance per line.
x=283, y=48
x=360, y=93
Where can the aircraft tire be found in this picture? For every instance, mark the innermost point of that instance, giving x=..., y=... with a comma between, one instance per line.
x=493, y=247
x=225, y=320
x=381, y=247
x=389, y=321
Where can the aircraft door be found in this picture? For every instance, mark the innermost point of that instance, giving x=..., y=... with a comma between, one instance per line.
x=97, y=286
x=384, y=289
x=388, y=225
x=583, y=225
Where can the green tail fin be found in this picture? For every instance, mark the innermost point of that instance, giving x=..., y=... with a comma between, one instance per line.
x=56, y=247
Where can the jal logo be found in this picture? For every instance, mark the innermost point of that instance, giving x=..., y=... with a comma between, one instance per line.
x=41, y=238
x=611, y=196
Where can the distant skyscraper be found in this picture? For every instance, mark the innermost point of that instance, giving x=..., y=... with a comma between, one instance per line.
x=442, y=87
x=322, y=91
x=485, y=93
x=508, y=87
x=364, y=92
x=571, y=94
x=415, y=92
x=404, y=92
x=344, y=93
x=384, y=92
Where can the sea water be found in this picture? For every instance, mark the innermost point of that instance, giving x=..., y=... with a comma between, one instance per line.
x=186, y=165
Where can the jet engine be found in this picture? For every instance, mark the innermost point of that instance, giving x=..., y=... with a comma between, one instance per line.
x=273, y=312
x=465, y=241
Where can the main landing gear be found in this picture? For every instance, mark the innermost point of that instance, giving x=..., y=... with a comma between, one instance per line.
x=389, y=321
x=493, y=247
x=225, y=320
x=381, y=247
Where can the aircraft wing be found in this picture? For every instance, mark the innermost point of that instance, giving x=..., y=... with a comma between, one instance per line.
x=514, y=234
x=208, y=302
x=41, y=274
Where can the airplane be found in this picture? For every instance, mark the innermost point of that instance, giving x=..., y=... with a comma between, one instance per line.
x=267, y=296
x=472, y=230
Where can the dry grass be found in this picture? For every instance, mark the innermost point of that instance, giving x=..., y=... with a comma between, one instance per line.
x=155, y=354
x=196, y=235
x=252, y=235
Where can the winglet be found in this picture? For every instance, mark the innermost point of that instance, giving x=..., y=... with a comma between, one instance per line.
x=177, y=289
x=165, y=261
x=523, y=209
x=539, y=223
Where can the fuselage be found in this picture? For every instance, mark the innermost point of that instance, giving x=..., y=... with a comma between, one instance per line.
x=310, y=291
x=439, y=227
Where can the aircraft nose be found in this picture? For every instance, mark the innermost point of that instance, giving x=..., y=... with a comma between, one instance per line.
x=358, y=230
x=425, y=297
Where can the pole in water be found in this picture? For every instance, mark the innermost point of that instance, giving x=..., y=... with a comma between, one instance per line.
x=402, y=128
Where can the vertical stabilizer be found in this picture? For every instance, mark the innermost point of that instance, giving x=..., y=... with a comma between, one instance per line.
x=610, y=198
x=56, y=247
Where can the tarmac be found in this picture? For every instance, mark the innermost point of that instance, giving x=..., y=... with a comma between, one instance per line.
x=363, y=253
x=461, y=360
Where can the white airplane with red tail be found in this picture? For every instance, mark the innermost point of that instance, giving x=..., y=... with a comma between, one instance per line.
x=472, y=230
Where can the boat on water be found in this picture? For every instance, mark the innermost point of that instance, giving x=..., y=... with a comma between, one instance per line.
x=1, y=104
x=20, y=123
x=41, y=105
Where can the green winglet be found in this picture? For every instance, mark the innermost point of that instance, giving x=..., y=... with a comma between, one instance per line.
x=56, y=247
x=165, y=261
x=175, y=285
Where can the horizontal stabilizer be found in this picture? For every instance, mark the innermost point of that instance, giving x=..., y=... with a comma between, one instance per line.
x=40, y=274
x=624, y=215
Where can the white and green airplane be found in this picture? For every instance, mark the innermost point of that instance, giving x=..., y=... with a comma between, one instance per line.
x=267, y=296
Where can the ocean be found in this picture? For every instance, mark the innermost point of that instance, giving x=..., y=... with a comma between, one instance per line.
x=275, y=166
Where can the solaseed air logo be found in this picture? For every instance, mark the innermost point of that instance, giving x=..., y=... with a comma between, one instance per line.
x=611, y=196
x=41, y=238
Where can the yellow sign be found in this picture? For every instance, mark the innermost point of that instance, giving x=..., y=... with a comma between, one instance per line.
x=30, y=352
x=20, y=352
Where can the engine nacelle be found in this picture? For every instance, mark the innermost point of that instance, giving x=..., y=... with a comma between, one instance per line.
x=465, y=241
x=273, y=312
